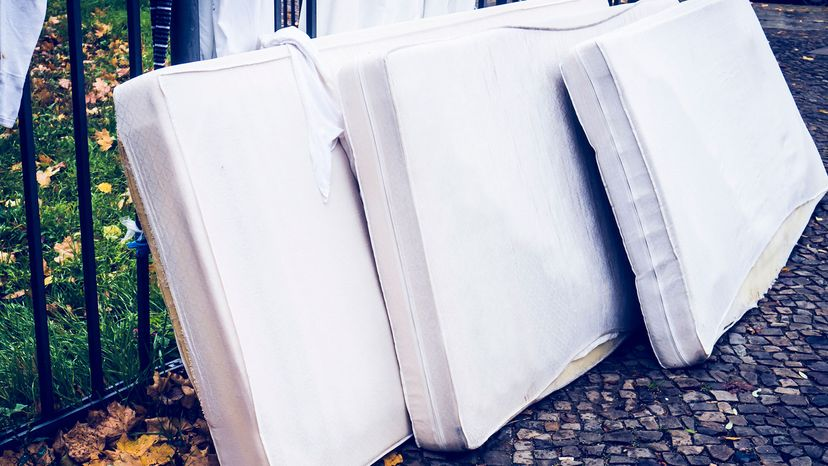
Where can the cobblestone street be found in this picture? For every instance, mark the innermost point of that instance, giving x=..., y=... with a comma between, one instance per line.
x=762, y=398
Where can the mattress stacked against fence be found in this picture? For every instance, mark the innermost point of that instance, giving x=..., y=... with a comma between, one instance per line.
x=490, y=270
x=501, y=265
x=710, y=169
x=273, y=291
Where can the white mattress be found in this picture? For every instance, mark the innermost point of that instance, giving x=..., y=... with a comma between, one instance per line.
x=710, y=170
x=500, y=261
x=274, y=292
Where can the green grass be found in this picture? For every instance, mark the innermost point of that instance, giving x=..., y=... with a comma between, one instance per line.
x=105, y=48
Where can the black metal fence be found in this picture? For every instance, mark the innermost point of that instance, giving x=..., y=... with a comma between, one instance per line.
x=183, y=29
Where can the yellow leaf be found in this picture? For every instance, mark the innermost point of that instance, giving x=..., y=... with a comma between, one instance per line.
x=392, y=459
x=105, y=188
x=112, y=232
x=104, y=139
x=158, y=455
x=807, y=58
x=17, y=167
x=7, y=257
x=48, y=280
x=823, y=111
x=137, y=447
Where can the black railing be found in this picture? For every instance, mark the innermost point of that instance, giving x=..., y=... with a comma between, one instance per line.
x=183, y=48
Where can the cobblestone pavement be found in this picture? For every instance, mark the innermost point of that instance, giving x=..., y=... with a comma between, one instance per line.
x=762, y=398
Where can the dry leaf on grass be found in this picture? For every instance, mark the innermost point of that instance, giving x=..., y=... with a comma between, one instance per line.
x=104, y=139
x=44, y=177
x=66, y=249
x=105, y=188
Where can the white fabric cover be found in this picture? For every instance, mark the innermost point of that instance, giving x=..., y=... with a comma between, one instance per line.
x=709, y=167
x=20, y=25
x=233, y=26
x=335, y=16
x=498, y=255
x=274, y=292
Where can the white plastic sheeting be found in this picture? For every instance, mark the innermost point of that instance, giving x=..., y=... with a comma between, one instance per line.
x=501, y=264
x=710, y=169
x=335, y=16
x=20, y=25
x=274, y=292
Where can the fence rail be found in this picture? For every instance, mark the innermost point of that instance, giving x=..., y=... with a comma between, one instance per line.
x=184, y=42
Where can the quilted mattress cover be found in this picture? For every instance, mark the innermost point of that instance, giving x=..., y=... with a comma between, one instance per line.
x=273, y=293
x=709, y=167
x=500, y=261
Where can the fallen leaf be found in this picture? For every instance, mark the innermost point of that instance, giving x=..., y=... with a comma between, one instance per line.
x=198, y=457
x=66, y=249
x=101, y=29
x=392, y=459
x=16, y=167
x=112, y=232
x=15, y=295
x=802, y=374
x=729, y=425
x=45, y=159
x=119, y=421
x=756, y=392
x=823, y=111
x=104, y=139
x=102, y=88
x=105, y=188
x=44, y=177
x=807, y=58
x=83, y=443
x=9, y=458
x=7, y=257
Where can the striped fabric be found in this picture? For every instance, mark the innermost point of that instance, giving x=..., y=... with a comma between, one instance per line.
x=160, y=17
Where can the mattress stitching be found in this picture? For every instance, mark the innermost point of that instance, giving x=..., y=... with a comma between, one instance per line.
x=629, y=119
x=425, y=373
x=605, y=122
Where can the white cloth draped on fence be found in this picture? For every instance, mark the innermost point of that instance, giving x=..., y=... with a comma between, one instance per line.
x=233, y=26
x=335, y=16
x=20, y=25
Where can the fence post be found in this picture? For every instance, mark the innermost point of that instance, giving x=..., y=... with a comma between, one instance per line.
x=184, y=40
x=36, y=277
x=142, y=292
x=87, y=229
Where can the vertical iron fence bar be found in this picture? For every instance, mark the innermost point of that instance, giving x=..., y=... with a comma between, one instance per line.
x=284, y=7
x=481, y=3
x=90, y=286
x=311, y=18
x=30, y=203
x=277, y=15
x=184, y=40
x=141, y=251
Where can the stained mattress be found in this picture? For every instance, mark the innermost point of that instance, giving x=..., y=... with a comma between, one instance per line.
x=709, y=167
x=502, y=268
x=273, y=292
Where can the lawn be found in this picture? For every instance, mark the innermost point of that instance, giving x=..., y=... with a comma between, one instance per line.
x=105, y=48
